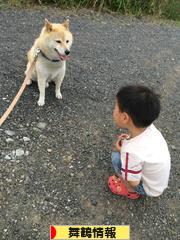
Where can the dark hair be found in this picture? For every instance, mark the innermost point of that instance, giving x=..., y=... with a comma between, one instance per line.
x=140, y=103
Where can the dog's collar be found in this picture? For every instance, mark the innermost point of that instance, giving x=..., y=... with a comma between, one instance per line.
x=44, y=55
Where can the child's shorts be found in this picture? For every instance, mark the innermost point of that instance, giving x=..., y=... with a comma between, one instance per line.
x=116, y=162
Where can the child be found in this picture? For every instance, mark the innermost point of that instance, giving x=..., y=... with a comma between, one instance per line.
x=141, y=160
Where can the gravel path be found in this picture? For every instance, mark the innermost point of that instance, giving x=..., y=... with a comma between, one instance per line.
x=55, y=160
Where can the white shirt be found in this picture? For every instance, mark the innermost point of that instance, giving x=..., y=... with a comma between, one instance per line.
x=146, y=157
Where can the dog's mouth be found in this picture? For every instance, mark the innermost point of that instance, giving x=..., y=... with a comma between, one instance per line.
x=61, y=56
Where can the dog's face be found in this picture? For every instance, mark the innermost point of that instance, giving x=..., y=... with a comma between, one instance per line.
x=56, y=39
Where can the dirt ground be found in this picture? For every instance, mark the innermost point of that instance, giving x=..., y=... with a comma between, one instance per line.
x=55, y=160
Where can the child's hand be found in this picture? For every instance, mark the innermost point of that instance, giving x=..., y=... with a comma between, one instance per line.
x=120, y=138
x=123, y=136
x=118, y=144
x=116, y=147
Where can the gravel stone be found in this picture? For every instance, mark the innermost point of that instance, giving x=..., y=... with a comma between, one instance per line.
x=19, y=152
x=8, y=140
x=26, y=139
x=10, y=133
x=7, y=157
x=41, y=125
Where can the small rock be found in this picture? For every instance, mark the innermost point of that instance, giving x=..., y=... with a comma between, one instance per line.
x=26, y=139
x=26, y=153
x=36, y=129
x=80, y=174
x=8, y=140
x=49, y=150
x=41, y=125
x=19, y=152
x=7, y=157
x=67, y=208
x=69, y=158
x=10, y=133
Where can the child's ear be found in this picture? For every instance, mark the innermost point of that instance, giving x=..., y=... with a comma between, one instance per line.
x=48, y=25
x=126, y=117
x=66, y=24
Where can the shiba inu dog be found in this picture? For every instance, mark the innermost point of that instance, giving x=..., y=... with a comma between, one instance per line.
x=53, y=48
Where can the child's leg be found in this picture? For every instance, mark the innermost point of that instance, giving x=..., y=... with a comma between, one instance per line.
x=116, y=162
x=139, y=189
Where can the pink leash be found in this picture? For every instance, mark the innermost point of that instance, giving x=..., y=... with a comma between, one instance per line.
x=18, y=95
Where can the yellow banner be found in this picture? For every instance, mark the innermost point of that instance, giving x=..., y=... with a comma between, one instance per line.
x=89, y=232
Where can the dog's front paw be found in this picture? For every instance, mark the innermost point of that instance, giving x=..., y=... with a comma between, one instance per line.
x=58, y=95
x=41, y=102
x=29, y=82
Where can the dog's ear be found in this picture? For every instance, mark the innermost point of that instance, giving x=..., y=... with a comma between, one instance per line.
x=66, y=24
x=48, y=25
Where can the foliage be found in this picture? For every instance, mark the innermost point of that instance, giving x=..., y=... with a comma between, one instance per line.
x=163, y=8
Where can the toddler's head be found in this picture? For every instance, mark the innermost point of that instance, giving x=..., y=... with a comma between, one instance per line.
x=138, y=103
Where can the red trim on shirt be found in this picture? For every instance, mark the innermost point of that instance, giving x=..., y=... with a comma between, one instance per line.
x=126, y=166
x=126, y=170
x=131, y=171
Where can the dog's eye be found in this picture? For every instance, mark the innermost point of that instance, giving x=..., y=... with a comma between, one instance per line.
x=58, y=41
x=67, y=41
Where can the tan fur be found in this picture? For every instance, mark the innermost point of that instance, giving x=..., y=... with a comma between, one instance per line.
x=45, y=70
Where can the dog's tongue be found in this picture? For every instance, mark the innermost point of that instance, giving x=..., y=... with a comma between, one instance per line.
x=64, y=57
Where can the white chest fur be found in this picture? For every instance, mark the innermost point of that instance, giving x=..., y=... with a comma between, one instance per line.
x=48, y=70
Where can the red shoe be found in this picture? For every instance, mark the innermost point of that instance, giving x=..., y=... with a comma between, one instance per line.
x=117, y=187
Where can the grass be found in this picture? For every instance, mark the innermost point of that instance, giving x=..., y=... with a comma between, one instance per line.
x=169, y=9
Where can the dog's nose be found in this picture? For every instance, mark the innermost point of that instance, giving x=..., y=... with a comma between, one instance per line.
x=67, y=52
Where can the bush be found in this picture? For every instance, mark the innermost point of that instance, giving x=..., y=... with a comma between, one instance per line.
x=163, y=8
